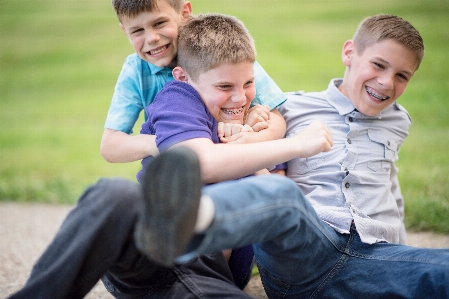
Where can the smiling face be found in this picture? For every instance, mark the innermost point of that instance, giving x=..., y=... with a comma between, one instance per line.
x=154, y=34
x=227, y=90
x=377, y=77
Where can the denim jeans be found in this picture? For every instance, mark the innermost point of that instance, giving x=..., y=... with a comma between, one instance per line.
x=96, y=241
x=299, y=256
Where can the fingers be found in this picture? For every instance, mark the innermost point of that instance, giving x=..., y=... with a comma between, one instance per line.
x=228, y=129
x=260, y=126
x=231, y=139
x=247, y=128
x=257, y=114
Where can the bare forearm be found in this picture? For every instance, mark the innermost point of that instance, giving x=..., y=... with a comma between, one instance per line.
x=221, y=162
x=119, y=147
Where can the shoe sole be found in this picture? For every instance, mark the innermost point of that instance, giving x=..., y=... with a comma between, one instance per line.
x=171, y=189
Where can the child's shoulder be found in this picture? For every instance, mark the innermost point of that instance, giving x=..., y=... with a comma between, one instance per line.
x=400, y=111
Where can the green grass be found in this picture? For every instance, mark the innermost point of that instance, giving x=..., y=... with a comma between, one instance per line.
x=59, y=61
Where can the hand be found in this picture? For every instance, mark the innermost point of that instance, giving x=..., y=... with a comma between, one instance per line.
x=233, y=138
x=314, y=139
x=257, y=117
x=227, y=130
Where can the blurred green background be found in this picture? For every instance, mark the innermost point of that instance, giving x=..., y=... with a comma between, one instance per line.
x=60, y=59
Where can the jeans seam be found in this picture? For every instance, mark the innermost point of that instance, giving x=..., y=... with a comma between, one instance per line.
x=335, y=269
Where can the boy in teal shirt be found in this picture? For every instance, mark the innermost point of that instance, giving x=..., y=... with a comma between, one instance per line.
x=152, y=28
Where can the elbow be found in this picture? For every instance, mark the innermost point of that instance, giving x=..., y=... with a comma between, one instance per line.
x=208, y=175
x=105, y=153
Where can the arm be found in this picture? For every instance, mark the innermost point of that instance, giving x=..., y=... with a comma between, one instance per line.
x=128, y=101
x=119, y=147
x=221, y=162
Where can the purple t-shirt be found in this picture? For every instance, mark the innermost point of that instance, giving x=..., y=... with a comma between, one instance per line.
x=177, y=114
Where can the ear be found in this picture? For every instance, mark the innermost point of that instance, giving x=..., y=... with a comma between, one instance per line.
x=180, y=74
x=186, y=10
x=348, y=52
x=124, y=30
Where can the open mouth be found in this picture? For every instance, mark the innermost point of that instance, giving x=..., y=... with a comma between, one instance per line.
x=233, y=111
x=158, y=50
x=375, y=95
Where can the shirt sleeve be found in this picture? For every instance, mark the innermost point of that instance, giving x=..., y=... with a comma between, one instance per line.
x=267, y=91
x=178, y=114
x=126, y=102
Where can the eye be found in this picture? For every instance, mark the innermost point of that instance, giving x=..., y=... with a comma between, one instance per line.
x=249, y=83
x=403, y=77
x=137, y=31
x=224, y=87
x=379, y=65
x=160, y=23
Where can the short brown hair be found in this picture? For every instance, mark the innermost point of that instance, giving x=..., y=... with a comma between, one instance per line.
x=131, y=8
x=383, y=26
x=208, y=40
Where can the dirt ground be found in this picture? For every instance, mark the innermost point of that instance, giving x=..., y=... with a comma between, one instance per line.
x=26, y=230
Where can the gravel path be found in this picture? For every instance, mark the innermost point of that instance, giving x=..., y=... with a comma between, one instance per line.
x=26, y=229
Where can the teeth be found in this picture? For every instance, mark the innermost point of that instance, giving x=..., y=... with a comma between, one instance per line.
x=372, y=93
x=233, y=111
x=154, y=52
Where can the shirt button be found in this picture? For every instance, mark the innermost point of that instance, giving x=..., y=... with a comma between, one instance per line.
x=349, y=141
x=347, y=185
x=388, y=142
x=351, y=119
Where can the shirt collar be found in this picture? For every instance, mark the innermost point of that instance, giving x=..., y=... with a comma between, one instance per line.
x=337, y=99
x=155, y=69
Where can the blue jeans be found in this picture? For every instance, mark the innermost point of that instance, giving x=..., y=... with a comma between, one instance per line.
x=299, y=256
x=96, y=241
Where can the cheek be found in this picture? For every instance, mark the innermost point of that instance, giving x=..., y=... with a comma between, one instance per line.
x=251, y=94
x=172, y=33
x=136, y=42
x=400, y=90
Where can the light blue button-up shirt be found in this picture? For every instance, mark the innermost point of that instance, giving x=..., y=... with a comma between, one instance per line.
x=357, y=180
x=140, y=81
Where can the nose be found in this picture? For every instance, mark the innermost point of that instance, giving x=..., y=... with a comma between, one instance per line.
x=152, y=36
x=386, y=80
x=239, y=96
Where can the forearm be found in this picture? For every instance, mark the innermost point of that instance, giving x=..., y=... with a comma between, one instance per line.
x=221, y=162
x=119, y=147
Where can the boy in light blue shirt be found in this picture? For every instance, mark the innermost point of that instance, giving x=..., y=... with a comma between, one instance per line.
x=152, y=28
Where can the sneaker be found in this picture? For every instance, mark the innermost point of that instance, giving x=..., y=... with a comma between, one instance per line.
x=171, y=190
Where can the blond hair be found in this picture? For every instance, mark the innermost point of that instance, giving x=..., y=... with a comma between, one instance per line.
x=209, y=40
x=131, y=8
x=383, y=26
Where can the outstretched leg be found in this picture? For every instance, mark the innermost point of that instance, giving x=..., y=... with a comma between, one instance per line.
x=89, y=241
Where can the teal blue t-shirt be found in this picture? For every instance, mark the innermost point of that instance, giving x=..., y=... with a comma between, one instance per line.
x=140, y=81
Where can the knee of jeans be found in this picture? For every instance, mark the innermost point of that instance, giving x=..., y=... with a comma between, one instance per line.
x=286, y=186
